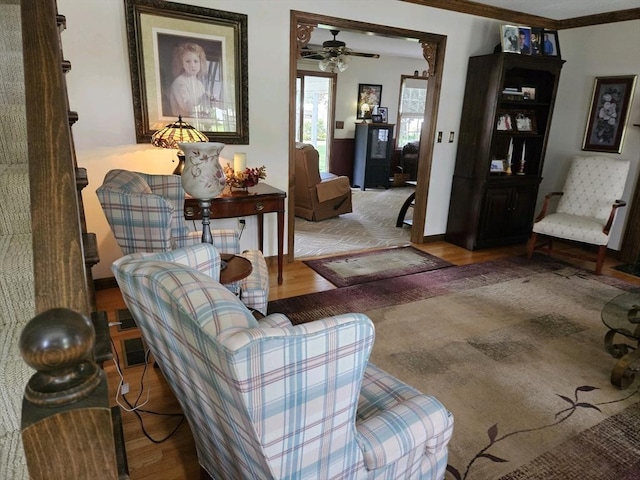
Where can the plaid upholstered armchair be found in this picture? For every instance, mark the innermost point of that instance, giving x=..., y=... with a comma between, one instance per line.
x=145, y=215
x=270, y=400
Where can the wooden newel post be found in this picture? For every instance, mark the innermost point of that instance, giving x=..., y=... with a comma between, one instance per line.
x=67, y=429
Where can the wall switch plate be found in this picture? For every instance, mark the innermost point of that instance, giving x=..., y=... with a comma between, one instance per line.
x=451, y=134
x=339, y=125
x=439, y=137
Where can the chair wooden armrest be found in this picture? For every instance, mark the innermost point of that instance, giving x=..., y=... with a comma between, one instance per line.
x=545, y=206
x=617, y=204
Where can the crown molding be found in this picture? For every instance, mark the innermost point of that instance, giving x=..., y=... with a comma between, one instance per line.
x=519, y=18
x=609, y=17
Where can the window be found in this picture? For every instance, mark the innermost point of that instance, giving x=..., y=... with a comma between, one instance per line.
x=413, y=95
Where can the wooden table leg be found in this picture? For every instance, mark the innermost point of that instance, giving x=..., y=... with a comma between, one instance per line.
x=280, y=243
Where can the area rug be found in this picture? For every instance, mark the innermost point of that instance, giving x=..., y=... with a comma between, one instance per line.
x=356, y=268
x=514, y=349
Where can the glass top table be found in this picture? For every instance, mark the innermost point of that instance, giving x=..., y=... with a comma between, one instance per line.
x=622, y=316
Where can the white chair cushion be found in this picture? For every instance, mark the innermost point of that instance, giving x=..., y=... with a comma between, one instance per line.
x=572, y=227
x=592, y=185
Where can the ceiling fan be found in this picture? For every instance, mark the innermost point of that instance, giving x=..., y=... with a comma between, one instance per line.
x=334, y=54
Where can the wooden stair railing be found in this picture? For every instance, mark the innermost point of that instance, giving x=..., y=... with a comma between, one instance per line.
x=67, y=425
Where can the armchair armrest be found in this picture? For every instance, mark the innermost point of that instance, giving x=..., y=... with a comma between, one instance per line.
x=616, y=205
x=332, y=188
x=416, y=422
x=275, y=320
x=545, y=206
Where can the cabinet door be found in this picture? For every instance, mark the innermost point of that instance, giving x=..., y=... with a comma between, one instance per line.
x=494, y=220
x=523, y=203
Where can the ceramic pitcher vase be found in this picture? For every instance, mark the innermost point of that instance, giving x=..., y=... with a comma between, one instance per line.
x=203, y=176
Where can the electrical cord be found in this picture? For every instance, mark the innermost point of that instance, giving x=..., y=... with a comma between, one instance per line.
x=135, y=408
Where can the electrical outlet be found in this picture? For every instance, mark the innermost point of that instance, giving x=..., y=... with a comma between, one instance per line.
x=125, y=389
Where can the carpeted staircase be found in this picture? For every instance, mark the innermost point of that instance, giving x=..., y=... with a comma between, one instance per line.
x=16, y=262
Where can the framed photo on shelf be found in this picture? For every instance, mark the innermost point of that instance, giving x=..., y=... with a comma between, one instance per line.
x=550, y=44
x=376, y=118
x=384, y=113
x=525, y=121
x=537, y=37
x=528, y=93
x=497, y=166
x=369, y=96
x=607, y=120
x=505, y=123
x=161, y=35
x=524, y=40
x=509, y=38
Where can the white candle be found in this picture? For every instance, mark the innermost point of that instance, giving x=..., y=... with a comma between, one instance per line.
x=510, y=153
x=523, y=151
x=239, y=162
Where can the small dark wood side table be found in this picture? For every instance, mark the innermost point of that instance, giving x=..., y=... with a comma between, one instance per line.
x=256, y=200
x=237, y=268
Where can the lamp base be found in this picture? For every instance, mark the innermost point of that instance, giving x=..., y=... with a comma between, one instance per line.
x=205, y=207
x=180, y=168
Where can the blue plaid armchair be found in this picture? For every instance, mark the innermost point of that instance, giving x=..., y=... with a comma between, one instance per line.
x=270, y=400
x=145, y=215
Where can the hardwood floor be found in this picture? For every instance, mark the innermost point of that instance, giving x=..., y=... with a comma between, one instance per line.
x=175, y=458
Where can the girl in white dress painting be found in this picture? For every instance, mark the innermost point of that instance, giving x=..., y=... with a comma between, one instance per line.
x=188, y=95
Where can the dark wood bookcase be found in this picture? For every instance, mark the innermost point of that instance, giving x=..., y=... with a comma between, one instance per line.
x=508, y=100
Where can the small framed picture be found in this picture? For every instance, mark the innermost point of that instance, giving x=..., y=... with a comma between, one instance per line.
x=524, y=40
x=497, y=166
x=376, y=118
x=550, y=44
x=525, y=121
x=528, y=93
x=509, y=38
x=504, y=123
x=384, y=113
x=537, y=36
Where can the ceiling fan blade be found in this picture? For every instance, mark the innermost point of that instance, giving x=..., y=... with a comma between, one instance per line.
x=362, y=54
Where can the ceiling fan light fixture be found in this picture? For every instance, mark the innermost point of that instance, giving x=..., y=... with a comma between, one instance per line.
x=333, y=63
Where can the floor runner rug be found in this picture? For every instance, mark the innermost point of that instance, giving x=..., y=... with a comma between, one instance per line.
x=514, y=349
x=353, y=269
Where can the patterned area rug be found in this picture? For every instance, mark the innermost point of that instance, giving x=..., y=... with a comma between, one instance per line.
x=514, y=348
x=346, y=270
x=372, y=224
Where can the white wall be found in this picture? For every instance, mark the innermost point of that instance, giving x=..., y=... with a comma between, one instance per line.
x=597, y=51
x=100, y=90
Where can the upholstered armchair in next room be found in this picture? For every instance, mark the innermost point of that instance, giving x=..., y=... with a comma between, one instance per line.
x=266, y=399
x=318, y=196
x=586, y=209
x=145, y=213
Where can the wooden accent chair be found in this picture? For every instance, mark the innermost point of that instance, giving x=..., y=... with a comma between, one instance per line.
x=587, y=207
x=145, y=214
x=318, y=196
x=271, y=400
